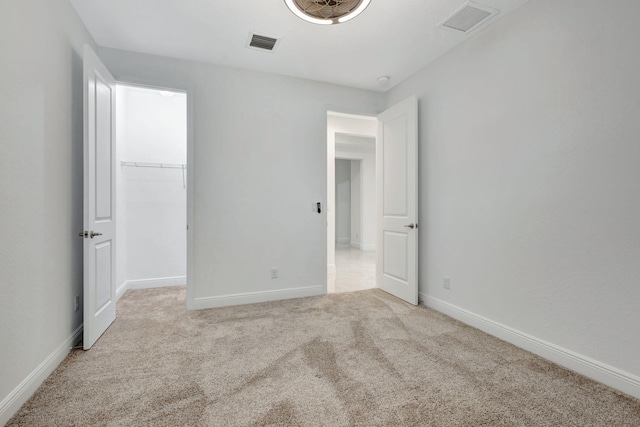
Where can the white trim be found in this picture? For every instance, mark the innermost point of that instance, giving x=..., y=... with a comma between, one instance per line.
x=359, y=116
x=159, y=282
x=598, y=371
x=120, y=290
x=191, y=166
x=331, y=269
x=12, y=403
x=256, y=297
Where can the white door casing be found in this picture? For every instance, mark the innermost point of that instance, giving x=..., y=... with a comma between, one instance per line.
x=397, y=186
x=99, y=198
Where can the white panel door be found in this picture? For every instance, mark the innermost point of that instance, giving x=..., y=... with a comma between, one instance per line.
x=99, y=198
x=397, y=179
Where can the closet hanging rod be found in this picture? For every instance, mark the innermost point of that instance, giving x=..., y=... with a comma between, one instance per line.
x=154, y=165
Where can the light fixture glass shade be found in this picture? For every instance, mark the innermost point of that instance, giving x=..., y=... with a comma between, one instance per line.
x=327, y=12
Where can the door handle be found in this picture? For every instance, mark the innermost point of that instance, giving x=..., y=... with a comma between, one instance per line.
x=87, y=234
x=411, y=226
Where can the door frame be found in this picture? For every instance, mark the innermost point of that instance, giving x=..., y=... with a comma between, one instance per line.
x=188, y=91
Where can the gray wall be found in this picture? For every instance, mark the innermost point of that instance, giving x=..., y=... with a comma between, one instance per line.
x=530, y=176
x=356, y=203
x=343, y=202
x=40, y=182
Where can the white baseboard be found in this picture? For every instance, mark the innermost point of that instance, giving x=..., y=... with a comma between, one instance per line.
x=255, y=297
x=149, y=283
x=355, y=245
x=598, y=371
x=343, y=241
x=159, y=282
x=12, y=403
x=120, y=290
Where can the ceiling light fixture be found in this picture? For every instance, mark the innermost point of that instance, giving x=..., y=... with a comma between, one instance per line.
x=327, y=12
x=383, y=81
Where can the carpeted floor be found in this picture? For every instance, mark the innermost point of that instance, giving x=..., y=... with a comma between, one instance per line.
x=361, y=358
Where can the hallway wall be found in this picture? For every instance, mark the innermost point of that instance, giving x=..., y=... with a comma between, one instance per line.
x=343, y=202
x=356, y=204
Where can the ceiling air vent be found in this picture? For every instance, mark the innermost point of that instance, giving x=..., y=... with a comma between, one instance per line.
x=468, y=17
x=257, y=41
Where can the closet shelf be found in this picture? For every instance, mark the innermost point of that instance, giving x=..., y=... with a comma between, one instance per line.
x=180, y=166
x=154, y=165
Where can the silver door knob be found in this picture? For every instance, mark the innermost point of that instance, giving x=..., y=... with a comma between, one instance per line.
x=411, y=226
x=92, y=235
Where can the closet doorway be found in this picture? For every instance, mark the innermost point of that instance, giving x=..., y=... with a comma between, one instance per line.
x=151, y=187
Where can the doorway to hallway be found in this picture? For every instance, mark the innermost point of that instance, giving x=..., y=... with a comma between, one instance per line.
x=355, y=271
x=351, y=202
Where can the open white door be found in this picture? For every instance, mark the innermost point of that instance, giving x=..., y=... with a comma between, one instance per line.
x=397, y=179
x=99, y=198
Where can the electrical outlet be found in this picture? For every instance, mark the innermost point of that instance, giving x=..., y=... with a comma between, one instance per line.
x=274, y=273
x=447, y=283
x=76, y=303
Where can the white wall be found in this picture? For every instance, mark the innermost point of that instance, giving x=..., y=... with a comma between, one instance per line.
x=343, y=202
x=41, y=45
x=259, y=163
x=340, y=124
x=153, y=128
x=356, y=204
x=530, y=181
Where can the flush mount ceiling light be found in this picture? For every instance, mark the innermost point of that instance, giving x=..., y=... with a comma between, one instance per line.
x=383, y=81
x=327, y=12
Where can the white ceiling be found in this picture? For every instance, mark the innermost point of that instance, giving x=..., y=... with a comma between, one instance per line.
x=391, y=38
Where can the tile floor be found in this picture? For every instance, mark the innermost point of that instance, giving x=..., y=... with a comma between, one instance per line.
x=355, y=271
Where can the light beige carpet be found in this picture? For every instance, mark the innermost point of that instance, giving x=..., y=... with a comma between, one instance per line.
x=362, y=359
